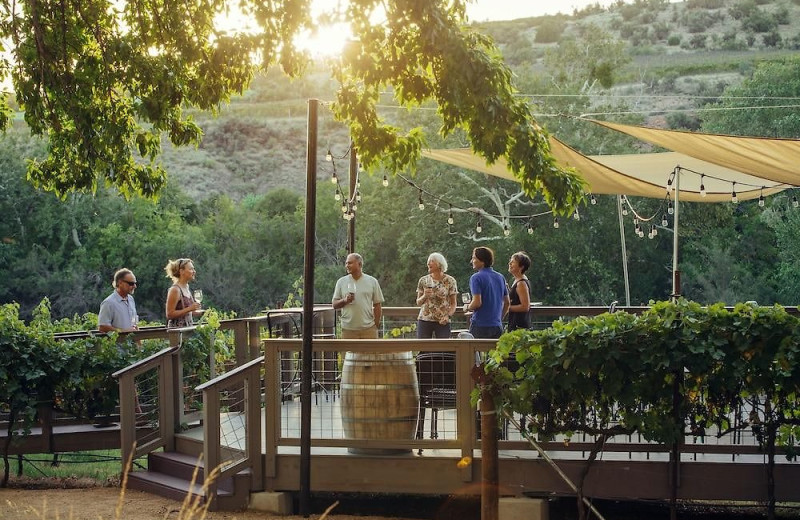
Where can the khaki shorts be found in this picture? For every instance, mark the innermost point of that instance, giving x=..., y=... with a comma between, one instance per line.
x=370, y=333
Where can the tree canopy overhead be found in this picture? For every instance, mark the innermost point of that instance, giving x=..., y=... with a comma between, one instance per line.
x=103, y=80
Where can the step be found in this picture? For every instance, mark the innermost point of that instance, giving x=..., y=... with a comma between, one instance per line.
x=164, y=485
x=183, y=465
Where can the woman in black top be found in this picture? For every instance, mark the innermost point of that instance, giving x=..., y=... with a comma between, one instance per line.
x=519, y=315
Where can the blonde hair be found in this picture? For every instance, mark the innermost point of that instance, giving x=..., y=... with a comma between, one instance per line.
x=173, y=268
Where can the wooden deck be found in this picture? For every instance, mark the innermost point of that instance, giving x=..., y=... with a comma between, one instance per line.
x=626, y=470
x=252, y=419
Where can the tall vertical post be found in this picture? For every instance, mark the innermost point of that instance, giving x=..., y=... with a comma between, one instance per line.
x=308, y=310
x=676, y=274
x=351, y=225
x=490, y=471
x=624, y=252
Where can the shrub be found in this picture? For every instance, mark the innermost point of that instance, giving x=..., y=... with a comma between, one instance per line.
x=550, y=30
x=674, y=40
x=759, y=22
x=772, y=39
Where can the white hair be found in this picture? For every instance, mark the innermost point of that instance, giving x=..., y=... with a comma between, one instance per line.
x=439, y=259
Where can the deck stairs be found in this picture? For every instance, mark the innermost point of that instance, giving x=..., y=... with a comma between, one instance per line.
x=170, y=474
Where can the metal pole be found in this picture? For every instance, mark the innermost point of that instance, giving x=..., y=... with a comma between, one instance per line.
x=490, y=473
x=624, y=252
x=676, y=274
x=351, y=225
x=308, y=310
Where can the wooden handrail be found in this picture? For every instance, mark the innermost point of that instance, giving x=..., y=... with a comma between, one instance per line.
x=248, y=377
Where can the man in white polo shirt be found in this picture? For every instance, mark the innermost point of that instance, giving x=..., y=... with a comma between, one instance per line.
x=118, y=311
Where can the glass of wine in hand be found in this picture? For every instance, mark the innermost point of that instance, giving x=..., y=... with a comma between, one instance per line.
x=466, y=297
x=198, y=296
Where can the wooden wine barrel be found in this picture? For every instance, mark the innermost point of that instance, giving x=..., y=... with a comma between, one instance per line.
x=380, y=398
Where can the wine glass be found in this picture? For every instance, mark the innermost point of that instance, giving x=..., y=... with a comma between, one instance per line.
x=466, y=297
x=351, y=288
x=198, y=295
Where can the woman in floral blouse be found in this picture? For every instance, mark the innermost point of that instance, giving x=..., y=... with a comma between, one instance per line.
x=436, y=296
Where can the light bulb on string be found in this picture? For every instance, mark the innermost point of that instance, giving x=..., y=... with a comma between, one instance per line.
x=421, y=204
x=734, y=198
x=576, y=215
x=702, y=185
x=344, y=207
x=334, y=178
x=479, y=227
x=329, y=156
x=530, y=228
x=670, y=208
x=592, y=199
x=651, y=234
x=654, y=230
x=450, y=219
x=354, y=207
x=506, y=230
x=624, y=207
x=669, y=184
x=385, y=180
x=761, y=198
x=794, y=201
x=358, y=196
x=338, y=194
x=555, y=222
x=664, y=221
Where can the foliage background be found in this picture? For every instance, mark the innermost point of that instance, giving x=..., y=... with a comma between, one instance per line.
x=235, y=203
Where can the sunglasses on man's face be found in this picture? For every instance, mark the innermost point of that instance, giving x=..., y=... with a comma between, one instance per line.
x=130, y=283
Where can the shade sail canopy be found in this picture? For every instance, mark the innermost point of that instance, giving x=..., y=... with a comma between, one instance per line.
x=777, y=160
x=643, y=175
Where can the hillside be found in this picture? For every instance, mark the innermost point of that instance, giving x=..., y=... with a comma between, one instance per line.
x=682, y=55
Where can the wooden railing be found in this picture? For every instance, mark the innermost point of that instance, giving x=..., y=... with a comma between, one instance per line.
x=245, y=383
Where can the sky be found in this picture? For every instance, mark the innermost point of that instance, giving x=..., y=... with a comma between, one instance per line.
x=482, y=10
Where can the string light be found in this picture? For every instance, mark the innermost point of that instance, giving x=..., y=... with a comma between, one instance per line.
x=624, y=207
x=734, y=198
x=358, y=196
x=669, y=182
x=664, y=221
x=794, y=201
x=334, y=178
x=530, y=227
x=385, y=180
x=506, y=230
x=702, y=186
x=576, y=215
x=555, y=222
x=450, y=219
x=421, y=204
x=479, y=227
x=344, y=207
x=670, y=208
x=651, y=234
x=338, y=194
x=329, y=156
x=592, y=199
x=761, y=198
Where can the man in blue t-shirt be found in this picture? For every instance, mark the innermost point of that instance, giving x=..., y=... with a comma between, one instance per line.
x=490, y=300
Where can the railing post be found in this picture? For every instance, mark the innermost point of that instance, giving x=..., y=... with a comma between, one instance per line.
x=465, y=414
x=253, y=417
x=167, y=412
x=127, y=416
x=175, y=340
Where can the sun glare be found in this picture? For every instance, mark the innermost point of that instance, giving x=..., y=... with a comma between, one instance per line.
x=326, y=42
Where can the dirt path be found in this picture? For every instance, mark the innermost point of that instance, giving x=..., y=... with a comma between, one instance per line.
x=100, y=503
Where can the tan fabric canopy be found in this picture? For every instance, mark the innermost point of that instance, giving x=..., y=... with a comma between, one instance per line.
x=775, y=159
x=643, y=175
